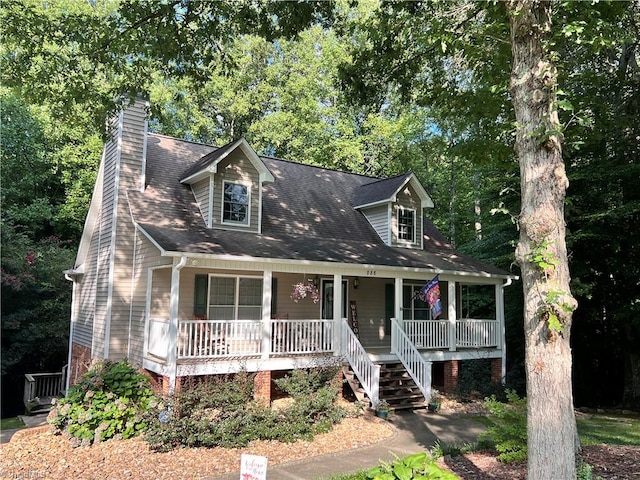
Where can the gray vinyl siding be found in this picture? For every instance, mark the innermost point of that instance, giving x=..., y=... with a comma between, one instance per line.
x=201, y=193
x=378, y=217
x=131, y=161
x=408, y=198
x=304, y=309
x=187, y=290
x=105, y=229
x=146, y=256
x=160, y=293
x=370, y=298
x=86, y=296
x=237, y=169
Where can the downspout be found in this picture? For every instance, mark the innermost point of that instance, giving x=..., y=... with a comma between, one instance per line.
x=503, y=340
x=172, y=357
x=73, y=321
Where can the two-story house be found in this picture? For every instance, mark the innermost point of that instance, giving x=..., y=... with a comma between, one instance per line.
x=194, y=261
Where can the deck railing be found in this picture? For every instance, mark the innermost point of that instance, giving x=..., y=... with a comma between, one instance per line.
x=41, y=388
x=367, y=372
x=474, y=333
x=417, y=367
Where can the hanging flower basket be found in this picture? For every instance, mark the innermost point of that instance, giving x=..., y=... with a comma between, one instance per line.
x=302, y=290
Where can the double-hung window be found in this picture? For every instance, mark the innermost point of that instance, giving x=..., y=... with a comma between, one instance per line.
x=235, y=298
x=235, y=203
x=406, y=225
x=413, y=307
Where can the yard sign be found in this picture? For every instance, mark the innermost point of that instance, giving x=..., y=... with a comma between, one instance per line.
x=253, y=467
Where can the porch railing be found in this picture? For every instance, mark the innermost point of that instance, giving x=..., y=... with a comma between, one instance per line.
x=367, y=372
x=470, y=333
x=428, y=333
x=474, y=333
x=417, y=367
x=203, y=339
x=301, y=336
x=41, y=388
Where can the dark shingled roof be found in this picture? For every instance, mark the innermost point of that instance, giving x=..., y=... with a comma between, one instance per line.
x=307, y=215
x=379, y=190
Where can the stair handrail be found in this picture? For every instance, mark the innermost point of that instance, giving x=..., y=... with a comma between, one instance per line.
x=367, y=372
x=417, y=367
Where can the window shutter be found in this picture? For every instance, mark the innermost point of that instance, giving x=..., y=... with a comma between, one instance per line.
x=200, y=295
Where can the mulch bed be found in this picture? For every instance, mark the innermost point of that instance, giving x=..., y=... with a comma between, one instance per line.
x=39, y=454
x=44, y=455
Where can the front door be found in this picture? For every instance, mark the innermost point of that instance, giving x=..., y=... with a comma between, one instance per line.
x=327, y=298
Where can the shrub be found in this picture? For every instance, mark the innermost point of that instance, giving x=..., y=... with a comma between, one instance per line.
x=220, y=412
x=417, y=466
x=109, y=402
x=509, y=431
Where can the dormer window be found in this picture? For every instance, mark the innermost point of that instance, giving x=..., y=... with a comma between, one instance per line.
x=406, y=225
x=235, y=201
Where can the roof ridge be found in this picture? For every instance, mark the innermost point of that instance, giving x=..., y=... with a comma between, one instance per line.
x=182, y=140
x=378, y=179
x=285, y=160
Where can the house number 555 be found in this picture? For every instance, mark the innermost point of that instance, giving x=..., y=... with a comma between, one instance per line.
x=371, y=273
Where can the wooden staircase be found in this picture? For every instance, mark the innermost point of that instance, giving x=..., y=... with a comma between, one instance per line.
x=397, y=387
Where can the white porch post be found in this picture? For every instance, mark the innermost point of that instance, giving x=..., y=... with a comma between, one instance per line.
x=451, y=314
x=172, y=355
x=337, y=311
x=267, y=293
x=501, y=328
x=397, y=310
x=398, y=300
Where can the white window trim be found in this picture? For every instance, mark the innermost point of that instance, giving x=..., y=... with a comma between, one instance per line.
x=399, y=209
x=231, y=222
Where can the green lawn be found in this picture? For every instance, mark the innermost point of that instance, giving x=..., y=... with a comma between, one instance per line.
x=11, y=423
x=592, y=428
x=610, y=429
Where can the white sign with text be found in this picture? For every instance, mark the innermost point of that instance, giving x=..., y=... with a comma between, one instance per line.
x=253, y=467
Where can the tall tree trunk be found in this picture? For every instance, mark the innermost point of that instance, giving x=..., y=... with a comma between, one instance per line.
x=541, y=251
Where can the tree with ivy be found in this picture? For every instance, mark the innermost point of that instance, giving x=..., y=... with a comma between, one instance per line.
x=490, y=71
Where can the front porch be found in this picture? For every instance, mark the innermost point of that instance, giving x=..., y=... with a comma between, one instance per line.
x=207, y=347
x=233, y=340
x=223, y=320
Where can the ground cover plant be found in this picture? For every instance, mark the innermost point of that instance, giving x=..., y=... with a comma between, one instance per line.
x=109, y=402
x=221, y=412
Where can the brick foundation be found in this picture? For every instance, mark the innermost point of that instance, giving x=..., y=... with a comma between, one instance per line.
x=80, y=362
x=451, y=370
x=262, y=387
x=496, y=370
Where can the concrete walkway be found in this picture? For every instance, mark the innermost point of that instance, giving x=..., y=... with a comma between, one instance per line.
x=416, y=431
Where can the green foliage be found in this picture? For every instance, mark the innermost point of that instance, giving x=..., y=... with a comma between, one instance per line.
x=220, y=412
x=109, y=402
x=28, y=183
x=509, y=430
x=441, y=449
x=474, y=381
x=35, y=302
x=418, y=466
x=584, y=471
